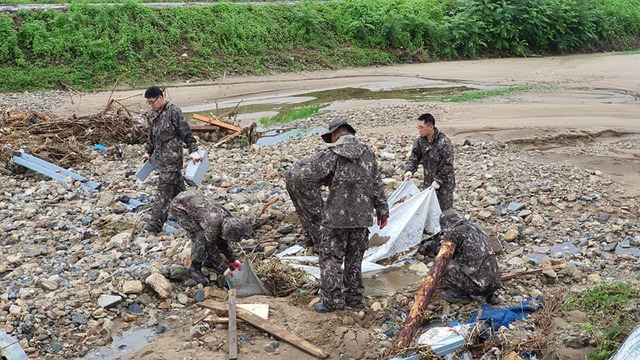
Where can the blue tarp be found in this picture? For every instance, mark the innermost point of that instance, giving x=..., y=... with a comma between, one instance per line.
x=505, y=316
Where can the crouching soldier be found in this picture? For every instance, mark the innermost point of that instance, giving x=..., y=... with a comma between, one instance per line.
x=210, y=228
x=473, y=271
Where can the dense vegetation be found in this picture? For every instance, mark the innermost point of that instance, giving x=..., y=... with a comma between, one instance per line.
x=90, y=47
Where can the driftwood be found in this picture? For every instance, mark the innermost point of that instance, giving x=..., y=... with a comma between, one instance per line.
x=429, y=285
x=228, y=137
x=274, y=329
x=512, y=276
x=216, y=122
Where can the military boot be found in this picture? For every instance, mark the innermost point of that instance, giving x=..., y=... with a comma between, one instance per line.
x=195, y=270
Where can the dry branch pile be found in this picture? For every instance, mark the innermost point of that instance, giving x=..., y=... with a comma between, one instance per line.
x=279, y=278
x=66, y=142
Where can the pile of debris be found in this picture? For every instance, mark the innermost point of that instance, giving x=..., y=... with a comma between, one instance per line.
x=65, y=141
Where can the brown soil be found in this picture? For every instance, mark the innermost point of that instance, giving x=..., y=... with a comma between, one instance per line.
x=581, y=103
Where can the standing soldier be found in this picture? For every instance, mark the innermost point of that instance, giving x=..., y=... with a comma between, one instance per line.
x=434, y=151
x=473, y=271
x=349, y=168
x=168, y=129
x=210, y=228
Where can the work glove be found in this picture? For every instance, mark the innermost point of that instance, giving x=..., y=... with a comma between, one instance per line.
x=234, y=266
x=382, y=223
x=435, y=185
x=145, y=157
x=407, y=175
x=195, y=157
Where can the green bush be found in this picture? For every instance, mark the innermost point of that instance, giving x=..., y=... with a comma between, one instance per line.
x=91, y=47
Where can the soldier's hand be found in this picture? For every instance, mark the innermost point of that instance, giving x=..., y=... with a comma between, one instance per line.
x=195, y=157
x=228, y=272
x=407, y=175
x=236, y=265
x=435, y=185
x=382, y=223
x=145, y=157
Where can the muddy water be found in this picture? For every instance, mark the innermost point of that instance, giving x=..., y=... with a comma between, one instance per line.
x=128, y=343
x=255, y=107
x=383, y=283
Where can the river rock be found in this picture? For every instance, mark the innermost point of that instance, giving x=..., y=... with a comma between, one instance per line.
x=132, y=287
x=159, y=284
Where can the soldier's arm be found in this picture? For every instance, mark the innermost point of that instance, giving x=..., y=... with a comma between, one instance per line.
x=415, y=157
x=445, y=168
x=379, y=200
x=214, y=255
x=149, y=147
x=225, y=249
x=184, y=131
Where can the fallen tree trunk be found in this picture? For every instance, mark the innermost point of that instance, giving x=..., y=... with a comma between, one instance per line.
x=428, y=288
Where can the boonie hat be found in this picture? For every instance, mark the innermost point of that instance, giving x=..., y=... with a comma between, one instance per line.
x=334, y=126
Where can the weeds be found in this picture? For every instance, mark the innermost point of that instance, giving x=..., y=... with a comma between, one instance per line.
x=292, y=114
x=482, y=94
x=609, y=319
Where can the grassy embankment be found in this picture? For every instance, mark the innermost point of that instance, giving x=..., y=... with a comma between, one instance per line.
x=91, y=47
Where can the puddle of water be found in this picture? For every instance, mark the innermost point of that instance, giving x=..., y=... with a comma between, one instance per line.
x=256, y=107
x=128, y=343
x=275, y=136
x=385, y=282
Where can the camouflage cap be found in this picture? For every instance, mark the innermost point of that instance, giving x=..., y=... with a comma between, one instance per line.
x=234, y=229
x=334, y=126
x=450, y=219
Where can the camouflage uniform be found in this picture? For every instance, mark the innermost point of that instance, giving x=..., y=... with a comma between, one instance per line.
x=436, y=158
x=168, y=129
x=210, y=228
x=349, y=168
x=306, y=200
x=473, y=271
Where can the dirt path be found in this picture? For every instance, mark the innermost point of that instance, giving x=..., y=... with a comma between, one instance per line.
x=581, y=97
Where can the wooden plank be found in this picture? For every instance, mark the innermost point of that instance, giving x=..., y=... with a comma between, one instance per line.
x=204, y=128
x=504, y=277
x=273, y=329
x=233, y=326
x=216, y=122
x=261, y=310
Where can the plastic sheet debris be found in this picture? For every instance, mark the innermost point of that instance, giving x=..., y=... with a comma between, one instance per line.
x=412, y=212
x=51, y=170
x=407, y=221
x=100, y=147
x=246, y=282
x=10, y=348
x=195, y=172
x=444, y=340
x=630, y=348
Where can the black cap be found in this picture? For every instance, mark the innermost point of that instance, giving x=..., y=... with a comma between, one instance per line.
x=334, y=126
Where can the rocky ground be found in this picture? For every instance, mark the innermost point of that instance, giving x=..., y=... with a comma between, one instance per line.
x=78, y=269
x=76, y=262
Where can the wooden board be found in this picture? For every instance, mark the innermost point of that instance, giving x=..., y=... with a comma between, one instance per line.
x=216, y=122
x=261, y=310
x=233, y=327
x=273, y=329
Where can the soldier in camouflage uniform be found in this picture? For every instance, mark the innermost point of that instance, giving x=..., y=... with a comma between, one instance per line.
x=349, y=168
x=434, y=151
x=210, y=228
x=473, y=271
x=306, y=200
x=168, y=129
